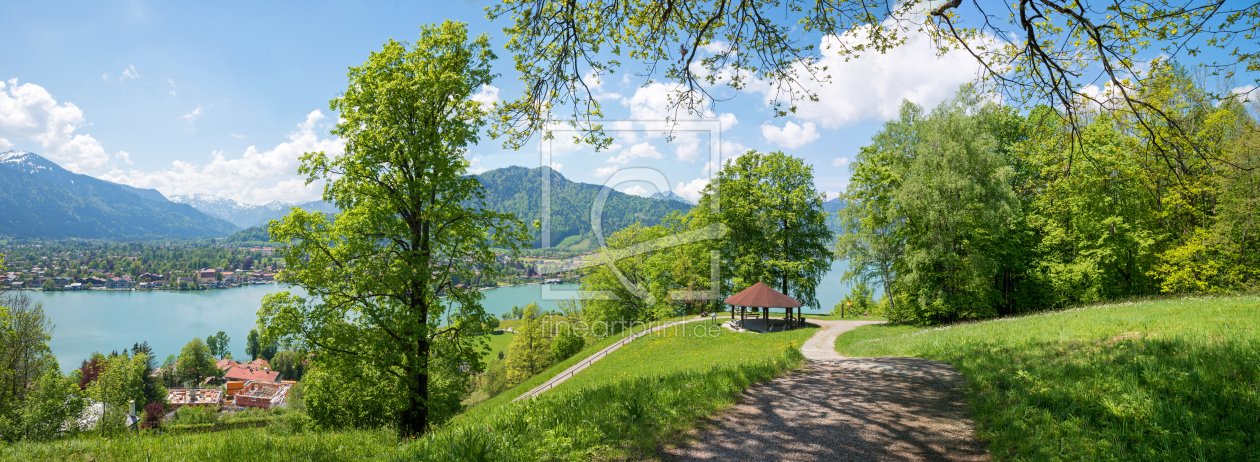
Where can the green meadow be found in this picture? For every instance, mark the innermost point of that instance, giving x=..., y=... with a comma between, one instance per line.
x=680, y=377
x=1170, y=379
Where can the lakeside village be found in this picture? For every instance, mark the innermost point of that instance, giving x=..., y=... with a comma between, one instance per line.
x=149, y=267
x=90, y=278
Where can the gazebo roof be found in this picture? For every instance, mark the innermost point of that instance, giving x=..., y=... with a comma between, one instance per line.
x=762, y=296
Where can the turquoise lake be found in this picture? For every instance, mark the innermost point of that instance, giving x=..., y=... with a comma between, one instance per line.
x=88, y=321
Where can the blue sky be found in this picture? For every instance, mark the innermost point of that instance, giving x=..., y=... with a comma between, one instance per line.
x=222, y=98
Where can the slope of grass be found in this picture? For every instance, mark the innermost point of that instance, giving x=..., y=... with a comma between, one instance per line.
x=499, y=341
x=689, y=347
x=615, y=417
x=1173, y=379
x=250, y=444
x=593, y=345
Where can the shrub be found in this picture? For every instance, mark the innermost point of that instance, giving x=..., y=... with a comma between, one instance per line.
x=196, y=415
x=153, y=414
x=566, y=343
x=860, y=300
x=290, y=423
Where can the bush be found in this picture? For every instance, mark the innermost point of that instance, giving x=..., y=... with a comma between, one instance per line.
x=566, y=344
x=290, y=423
x=153, y=415
x=860, y=300
x=196, y=415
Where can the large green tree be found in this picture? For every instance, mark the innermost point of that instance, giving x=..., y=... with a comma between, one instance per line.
x=530, y=351
x=776, y=229
x=379, y=276
x=195, y=362
x=218, y=344
x=931, y=212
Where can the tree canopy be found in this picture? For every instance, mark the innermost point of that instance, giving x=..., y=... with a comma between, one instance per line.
x=1031, y=52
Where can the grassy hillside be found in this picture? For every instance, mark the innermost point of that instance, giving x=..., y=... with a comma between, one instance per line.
x=1175, y=379
x=691, y=347
x=612, y=417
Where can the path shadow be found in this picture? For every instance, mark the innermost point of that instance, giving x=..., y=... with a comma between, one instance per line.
x=852, y=409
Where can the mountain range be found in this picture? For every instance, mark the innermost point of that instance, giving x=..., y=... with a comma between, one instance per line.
x=670, y=196
x=38, y=198
x=245, y=215
x=517, y=190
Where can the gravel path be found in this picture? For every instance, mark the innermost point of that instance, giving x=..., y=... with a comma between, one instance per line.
x=845, y=409
x=822, y=345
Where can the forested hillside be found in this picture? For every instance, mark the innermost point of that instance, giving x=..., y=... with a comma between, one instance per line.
x=38, y=198
x=517, y=190
x=973, y=210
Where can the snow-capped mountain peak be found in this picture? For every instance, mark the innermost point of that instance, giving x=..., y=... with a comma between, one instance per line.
x=669, y=196
x=29, y=161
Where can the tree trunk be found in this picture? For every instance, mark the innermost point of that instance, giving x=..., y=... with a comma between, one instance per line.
x=415, y=419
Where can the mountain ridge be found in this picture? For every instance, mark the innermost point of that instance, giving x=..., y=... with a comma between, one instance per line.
x=246, y=215
x=39, y=198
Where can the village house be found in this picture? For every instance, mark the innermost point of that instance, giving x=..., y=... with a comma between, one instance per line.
x=119, y=283
x=207, y=276
x=246, y=373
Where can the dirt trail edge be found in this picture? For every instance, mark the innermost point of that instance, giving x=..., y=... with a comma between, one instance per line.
x=845, y=409
x=583, y=364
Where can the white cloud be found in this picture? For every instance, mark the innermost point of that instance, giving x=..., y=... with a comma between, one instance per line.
x=791, y=136
x=129, y=73
x=239, y=137
x=474, y=164
x=124, y=155
x=105, y=76
x=1246, y=92
x=605, y=171
x=256, y=177
x=651, y=108
x=715, y=47
x=731, y=149
x=691, y=191
x=487, y=95
x=637, y=190
x=172, y=82
x=5, y=144
x=840, y=162
x=172, y=92
x=687, y=146
x=191, y=115
x=29, y=112
x=873, y=85
x=641, y=150
x=559, y=167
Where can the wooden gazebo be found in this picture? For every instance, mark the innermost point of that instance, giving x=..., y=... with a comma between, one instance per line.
x=762, y=296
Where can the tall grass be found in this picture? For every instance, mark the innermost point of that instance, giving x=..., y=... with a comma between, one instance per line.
x=1173, y=379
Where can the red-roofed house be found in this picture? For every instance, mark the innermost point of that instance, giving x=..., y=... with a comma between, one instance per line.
x=246, y=373
x=225, y=364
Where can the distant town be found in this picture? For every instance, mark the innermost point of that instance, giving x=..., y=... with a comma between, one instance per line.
x=75, y=265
